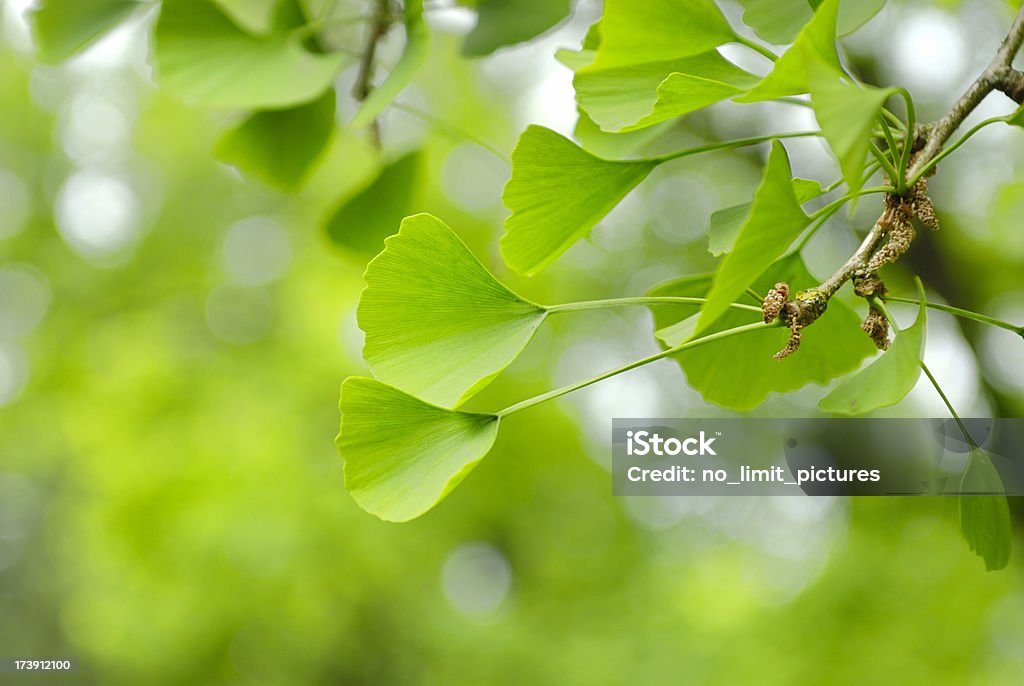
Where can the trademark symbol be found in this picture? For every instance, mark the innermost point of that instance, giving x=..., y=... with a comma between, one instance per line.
x=718, y=433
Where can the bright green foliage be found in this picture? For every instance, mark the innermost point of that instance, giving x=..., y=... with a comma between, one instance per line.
x=887, y=380
x=778, y=21
x=635, y=33
x=639, y=95
x=65, y=27
x=437, y=324
x=402, y=455
x=846, y=113
x=738, y=372
x=614, y=145
x=774, y=222
x=506, y=22
x=208, y=60
x=815, y=45
x=726, y=223
x=557, y=193
x=985, y=519
x=362, y=222
x=417, y=41
x=280, y=146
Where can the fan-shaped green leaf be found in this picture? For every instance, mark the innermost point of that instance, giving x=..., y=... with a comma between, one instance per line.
x=775, y=220
x=437, y=324
x=507, y=22
x=738, y=372
x=778, y=21
x=614, y=145
x=64, y=27
x=658, y=30
x=363, y=221
x=726, y=223
x=640, y=95
x=206, y=59
x=280, y=146
x=402, y=455
x=814, y=45
x=557, y=193
x=417, y=40
x=887, y=380
x=985, y=519
x=846, y=113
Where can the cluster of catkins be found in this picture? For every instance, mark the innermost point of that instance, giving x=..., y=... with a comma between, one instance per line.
x=796, y=314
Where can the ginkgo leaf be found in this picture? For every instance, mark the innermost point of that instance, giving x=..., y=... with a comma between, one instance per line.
x=887, y=380
x=557, y=193
x=437, y=324
x=846, y=113
x=814, y=45
x=985, y=519
x=363, y=221
x=640, y=95
x=62, y=28
x=614, y=145
x=658, y=30
x=417, y=40
x=280, y=146
x=206, y=59
x=739, y=372
x=778, y=21
x=507, y=22
x=726, y=223
x=403, y=455
x=774, y=222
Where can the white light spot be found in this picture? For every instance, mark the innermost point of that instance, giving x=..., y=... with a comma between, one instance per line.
x=472, y=179
x=929, y=54
x=97, y=214
x=476, y=578
x=239, y=315
x=24, y=298
x=13, y=373
x=94, y=130
x=256, y=251
x=15, y=204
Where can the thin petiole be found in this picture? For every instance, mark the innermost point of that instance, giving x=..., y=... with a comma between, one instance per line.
x=949, y=405
x=558, y=392
x=949, y=150
x=758, y=48
x=728, y=145
x=641, y=300
x=452, y=131
x=959, y=312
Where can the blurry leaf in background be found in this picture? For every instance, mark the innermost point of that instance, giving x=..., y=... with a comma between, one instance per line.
x=363, y=221
x=577, y=59
x=417, y=40
x=815, y=45
x=739, y=372
x=639, y=95
x=64, y=27
x=847, y=113
x=774, y=222
x=726, y=223
x=779, y=21
x=887, y=380
x=557, y=193
x=206, y=59
x=438, y=324
x=634, y=33
x=280, y=146
x=506, y=22
x=402, y=455
x=985, y=519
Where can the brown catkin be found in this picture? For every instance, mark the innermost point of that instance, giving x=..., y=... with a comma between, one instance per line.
x=792, y=345
x=774, y=301
x=900, y=235
x=923, y=206
x=877, y=326
x=867, y=283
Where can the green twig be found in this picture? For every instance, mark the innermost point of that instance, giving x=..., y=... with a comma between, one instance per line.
x=641, y=300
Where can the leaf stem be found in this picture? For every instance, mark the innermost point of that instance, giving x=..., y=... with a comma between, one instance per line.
x=959, y=312
x=758, y=48
x=640, y=300
x=558, y=392
x=949, y=405
x=839, y=202
x=951, y=148
x=451, y=131
x=728, y=145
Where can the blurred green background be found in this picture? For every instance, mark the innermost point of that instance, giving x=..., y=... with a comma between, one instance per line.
x=173, y=334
